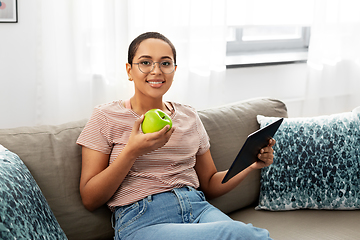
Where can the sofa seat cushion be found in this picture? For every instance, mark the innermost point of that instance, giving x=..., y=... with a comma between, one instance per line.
x=304, y=223
x=24, y=211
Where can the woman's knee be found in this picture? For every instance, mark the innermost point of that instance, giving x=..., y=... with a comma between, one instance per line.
x=239, y=230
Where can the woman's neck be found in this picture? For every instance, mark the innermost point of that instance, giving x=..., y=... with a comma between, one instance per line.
x=141, y=106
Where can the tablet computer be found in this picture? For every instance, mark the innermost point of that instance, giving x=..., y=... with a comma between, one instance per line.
x=251, y=148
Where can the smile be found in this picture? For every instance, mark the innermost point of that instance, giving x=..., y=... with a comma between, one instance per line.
x=151, y=82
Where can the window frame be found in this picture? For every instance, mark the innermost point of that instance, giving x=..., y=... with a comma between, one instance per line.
x=274, y=45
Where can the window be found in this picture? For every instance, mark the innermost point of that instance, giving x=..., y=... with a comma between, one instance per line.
x=262, y=31
x=257, y=45
x=267, y=39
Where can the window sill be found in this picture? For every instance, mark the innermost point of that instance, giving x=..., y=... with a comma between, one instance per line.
x=265, y=58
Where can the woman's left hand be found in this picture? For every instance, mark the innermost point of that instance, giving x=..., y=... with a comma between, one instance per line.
x=211, y=180
x=265, y=156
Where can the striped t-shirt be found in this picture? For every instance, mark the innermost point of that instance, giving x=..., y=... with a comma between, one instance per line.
x=169, y=167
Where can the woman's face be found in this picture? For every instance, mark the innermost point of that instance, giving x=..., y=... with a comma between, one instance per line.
x=155, y=83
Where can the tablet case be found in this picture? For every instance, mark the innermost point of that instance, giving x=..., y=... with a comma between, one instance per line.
x=251, y=148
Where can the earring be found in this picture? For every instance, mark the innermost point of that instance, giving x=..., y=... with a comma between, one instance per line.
x=130, y=79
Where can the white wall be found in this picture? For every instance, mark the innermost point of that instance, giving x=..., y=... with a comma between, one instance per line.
x=18, y=67
x=286, y=82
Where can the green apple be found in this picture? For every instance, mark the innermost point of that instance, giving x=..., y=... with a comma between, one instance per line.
x=155, y=120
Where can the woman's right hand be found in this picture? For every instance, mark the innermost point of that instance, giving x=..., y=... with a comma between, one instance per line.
x=99, y=180
x=140, y=143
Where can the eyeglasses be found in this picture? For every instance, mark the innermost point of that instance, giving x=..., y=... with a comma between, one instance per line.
x=146, y=66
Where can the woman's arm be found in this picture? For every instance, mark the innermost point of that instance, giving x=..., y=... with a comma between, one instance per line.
x=210, y=179
x=99, y=180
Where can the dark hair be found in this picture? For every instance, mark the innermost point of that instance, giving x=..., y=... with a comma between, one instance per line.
x=133, y=47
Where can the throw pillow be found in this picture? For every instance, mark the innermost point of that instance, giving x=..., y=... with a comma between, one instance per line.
x=316, y=164
x=356, y=110
x=24, y=212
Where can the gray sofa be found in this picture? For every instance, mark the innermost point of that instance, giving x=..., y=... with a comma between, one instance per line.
x=54, y=160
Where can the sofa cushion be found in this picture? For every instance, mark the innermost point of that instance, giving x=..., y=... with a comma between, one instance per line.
x=303, y=224
x=24, y=212
x=316, y=164
x=54, y=159
x=228, y=127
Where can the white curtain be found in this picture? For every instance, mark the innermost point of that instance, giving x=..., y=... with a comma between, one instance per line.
x=265, y=12
x=81, y=54
x=82, y=51
x=334, y=58
x=198, y=31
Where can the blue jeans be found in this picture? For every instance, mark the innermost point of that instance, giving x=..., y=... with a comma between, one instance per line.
x=182, y=213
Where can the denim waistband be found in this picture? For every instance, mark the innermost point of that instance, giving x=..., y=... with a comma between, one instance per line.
x=182, y=189
x=150, y=197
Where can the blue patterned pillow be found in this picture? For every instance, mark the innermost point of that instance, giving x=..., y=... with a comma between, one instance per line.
x=24, y=212
x=316, y=164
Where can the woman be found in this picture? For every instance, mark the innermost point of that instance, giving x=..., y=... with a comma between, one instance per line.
x=149, y=180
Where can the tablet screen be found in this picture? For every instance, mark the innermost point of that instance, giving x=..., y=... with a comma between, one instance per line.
x=251, y=148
